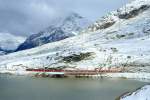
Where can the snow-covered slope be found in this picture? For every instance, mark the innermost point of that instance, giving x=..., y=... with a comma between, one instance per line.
x=140, y=94
x=127, y=12
x=9, y=42
x=124, y=44
x=65, y=27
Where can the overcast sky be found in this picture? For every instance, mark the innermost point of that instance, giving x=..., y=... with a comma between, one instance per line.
x=24, y=17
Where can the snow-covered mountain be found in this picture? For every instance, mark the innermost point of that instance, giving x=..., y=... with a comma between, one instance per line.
x=140, y=94
x=9, y=42
x=125, y=43
x=65, y=27
x=127, y=12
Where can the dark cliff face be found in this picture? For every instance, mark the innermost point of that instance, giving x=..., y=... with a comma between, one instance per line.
x=134, y=12
x=56, y=32
x=43, y=38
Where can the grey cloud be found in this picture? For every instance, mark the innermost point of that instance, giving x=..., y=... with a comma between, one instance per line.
x=24, y=17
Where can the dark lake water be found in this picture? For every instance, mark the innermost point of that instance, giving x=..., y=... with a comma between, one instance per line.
x=30, y=88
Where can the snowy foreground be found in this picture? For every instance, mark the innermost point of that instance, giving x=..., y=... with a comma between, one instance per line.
x=140, y=94
x=123, y=43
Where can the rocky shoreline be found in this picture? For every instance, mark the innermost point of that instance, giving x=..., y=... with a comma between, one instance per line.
x=145, y=76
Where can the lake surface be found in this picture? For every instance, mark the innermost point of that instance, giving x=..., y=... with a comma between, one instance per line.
x=30, y=88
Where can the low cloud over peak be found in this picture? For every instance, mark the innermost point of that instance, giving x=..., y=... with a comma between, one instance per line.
x=24, y=17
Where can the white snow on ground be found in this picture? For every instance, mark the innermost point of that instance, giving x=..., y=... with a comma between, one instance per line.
x=140, y=94
x=126, y=43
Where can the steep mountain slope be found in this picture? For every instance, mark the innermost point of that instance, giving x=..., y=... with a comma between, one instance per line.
x=64, y=28
x=123, y=44
x=9, y=42
x=125, y=13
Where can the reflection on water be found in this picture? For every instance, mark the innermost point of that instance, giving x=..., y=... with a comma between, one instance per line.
x=29, y=88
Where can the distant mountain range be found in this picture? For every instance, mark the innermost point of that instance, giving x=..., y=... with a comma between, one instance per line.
x=67, y=26
x=9, y=42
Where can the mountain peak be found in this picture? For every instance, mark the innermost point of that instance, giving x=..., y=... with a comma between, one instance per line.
x=63, y=28
x=73, y=15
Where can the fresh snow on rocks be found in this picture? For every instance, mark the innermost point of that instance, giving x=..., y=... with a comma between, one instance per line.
x=128, y=11
x=140, y=94
x=125, y=44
